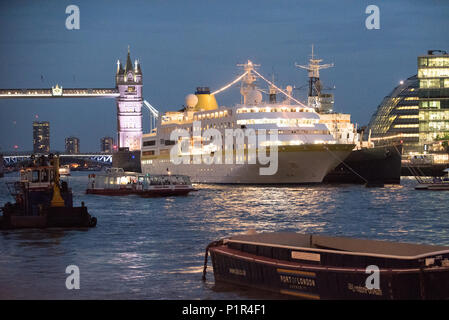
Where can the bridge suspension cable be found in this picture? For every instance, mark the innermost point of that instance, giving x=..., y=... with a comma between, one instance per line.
x=230, y=84
x=154, y=114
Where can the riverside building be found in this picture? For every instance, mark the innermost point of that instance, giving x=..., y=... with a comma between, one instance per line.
x=41, y=137
x=416, y=112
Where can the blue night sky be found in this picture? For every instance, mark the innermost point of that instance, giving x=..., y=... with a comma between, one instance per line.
x=185, y=44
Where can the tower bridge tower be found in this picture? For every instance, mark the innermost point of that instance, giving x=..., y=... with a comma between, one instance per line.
x=129, y=104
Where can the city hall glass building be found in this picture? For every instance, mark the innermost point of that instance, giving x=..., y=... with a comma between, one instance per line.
x=416, y=112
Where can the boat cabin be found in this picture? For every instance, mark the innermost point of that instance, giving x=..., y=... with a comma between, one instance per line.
x=38, y=177
x=117, y=178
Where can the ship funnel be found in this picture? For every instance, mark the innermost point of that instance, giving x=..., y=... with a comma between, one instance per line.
x=206, y=101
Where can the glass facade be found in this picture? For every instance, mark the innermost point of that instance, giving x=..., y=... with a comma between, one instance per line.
x=433, y=74
x=416, y=112
x=41, y=137
x=72, y=145
x=397, y=117
x=107, y=144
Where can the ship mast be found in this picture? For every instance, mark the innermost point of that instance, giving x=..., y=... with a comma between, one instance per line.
x=313, y=69
x=248, y=82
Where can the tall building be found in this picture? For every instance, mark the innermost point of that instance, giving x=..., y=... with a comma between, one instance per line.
x=41, y=137
x=433, y=75
x=107, y=144
x=416, y=112
x=129, y=104
x=72, y=145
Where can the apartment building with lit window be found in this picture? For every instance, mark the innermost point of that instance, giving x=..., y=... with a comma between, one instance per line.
x=41, y=137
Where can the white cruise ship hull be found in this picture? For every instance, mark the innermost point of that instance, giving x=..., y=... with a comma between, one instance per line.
x=296, y=165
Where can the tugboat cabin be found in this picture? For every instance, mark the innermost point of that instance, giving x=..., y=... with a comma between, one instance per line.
x=39, y=177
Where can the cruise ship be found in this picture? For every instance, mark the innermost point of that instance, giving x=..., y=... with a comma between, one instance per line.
x=299, y=148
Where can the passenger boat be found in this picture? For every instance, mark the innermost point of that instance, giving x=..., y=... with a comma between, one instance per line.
x=437, y=183
x=117, y=182
x=64, y=170
x=42, y=200
x=322, y=267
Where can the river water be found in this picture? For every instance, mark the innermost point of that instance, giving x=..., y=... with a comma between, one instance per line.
x=154, y=248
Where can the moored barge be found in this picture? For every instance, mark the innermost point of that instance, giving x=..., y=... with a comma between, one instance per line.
x=376, y=165
x=117, y=182
x=322, y=267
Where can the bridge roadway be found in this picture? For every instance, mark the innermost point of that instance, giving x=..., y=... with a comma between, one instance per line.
x=59, y=92
x=105, y=158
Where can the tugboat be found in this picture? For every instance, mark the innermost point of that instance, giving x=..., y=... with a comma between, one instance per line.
x=117, y=182
x=321, y=267
x=42, y=200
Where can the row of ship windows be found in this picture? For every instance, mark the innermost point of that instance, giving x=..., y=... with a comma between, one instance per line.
x=150, y=143
x=279, y=121
x=221, y=125
x=213, y=115
x=267, y=109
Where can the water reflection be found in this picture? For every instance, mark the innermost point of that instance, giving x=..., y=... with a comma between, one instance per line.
x=154, y=248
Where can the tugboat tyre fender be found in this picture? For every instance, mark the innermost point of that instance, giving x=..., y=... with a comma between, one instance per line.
x=93, y=222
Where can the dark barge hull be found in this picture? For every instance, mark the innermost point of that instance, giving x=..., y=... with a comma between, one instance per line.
x=276, y=263
x=53, y=217
x=429, y=170
x=145, y=193
x=378, y=165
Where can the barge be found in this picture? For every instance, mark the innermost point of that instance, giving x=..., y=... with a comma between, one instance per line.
x=117, y=182
x=322, y=267
x=375, y=165
x=42, y=200
x=436, y=183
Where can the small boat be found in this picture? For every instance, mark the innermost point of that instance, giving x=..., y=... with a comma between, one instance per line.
x=437, y=183
x=64, y=170
x=117, y=182
x=42, y=200
x=322, y=267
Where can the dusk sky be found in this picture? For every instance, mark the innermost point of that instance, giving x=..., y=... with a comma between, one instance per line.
x=185, y=44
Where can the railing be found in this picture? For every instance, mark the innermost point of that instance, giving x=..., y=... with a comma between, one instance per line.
x=68, y=93
x=98, y=157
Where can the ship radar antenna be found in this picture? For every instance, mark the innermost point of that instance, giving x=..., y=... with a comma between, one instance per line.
x=313, y=69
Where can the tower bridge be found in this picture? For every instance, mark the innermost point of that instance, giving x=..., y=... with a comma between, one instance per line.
x=127, y=93
x=59, y=92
